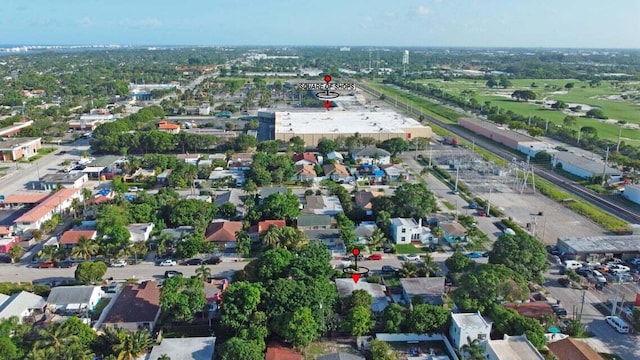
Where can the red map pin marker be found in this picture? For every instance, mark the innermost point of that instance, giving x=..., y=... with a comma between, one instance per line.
x=355, y=251
x=355, y=277
x=327, y=104
x=327, y=78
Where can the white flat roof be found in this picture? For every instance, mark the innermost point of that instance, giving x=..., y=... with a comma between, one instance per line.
x=338, y=121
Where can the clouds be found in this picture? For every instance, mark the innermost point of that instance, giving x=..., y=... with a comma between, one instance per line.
x=423, y=10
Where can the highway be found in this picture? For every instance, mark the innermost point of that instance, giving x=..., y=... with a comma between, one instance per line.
x=568, y=185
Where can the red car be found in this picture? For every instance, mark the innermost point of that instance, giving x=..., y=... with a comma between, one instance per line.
x=46, y=265
x=482, y=213
x=375, y=257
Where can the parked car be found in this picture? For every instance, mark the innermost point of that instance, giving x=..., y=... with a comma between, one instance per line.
x=474, y=255
x=213, y=261
x=172, y=273
x=486, y=254
x=119, y=263
x=625, y=277
x=167, y=262
x=411, y=257
x=560, y=312
x=482, y=213
x=195, y=261
x=389, y=269
x=113, y=287
x=473, y=205
x=635, y=261
x=375, y=257
x=133, y=189
x=65, y=264
x=46, y=265
x=387, y=249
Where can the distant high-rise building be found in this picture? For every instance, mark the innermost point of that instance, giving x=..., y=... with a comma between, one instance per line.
x=405, y=62
x=345, y=49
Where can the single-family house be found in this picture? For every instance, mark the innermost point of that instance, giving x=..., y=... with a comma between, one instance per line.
x=178, y=232
x=304, y=172
x=74, y=299
x=430, y=289
x=262, y=226
x=191, y=159
x=512, y=348
x=364, y=231
x=139, y=175
x=136, y=307
x=223, y=232
x=335, y=156
x=279, y=352
x=240, y=161
x=336, y=172
x=468, y=325
x=234, y=196
x=140, y=232
x=371, y=155
x=377, y=292
x=453, y=232
x=363, y=200
x=268, y=191
x=168, y=127
x=7, y=242
x=396, y=173
x=573, y=349
x=163, y=177
x=322, y=205
x=50, y=182
x=533, y=309
x=313, y=222
x=56, y=203
x=329, y=237
x=70, y=238
x=27, y=307
x=408, y=230
x=305, y=159
x=184, y=348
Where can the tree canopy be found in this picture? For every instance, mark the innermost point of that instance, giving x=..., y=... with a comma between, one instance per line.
x=182, y=297
x=522, y=253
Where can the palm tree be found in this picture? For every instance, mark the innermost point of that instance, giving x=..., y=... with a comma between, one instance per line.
x=139, y=248
x=85, y=248
x=125, y=250
x=271, y=237
x=376, y=239
x=38, y=235
x=55, y=336
x=473, y=350
x=75, y=205
x=47, y=253
x=291, y=238
x=41, y=353
x=429, y=266
x=163, y=240
x=15, y=252
x=87, y=194
x=132, y=345
x=203, y=272
x=409, y=270
x=164, y=357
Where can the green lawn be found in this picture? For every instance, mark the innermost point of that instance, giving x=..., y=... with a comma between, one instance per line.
x=407, y=249
x=592, y=96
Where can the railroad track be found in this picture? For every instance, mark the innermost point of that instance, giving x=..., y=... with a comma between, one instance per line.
x=575, y=189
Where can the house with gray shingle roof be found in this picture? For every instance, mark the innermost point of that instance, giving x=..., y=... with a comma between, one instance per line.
x=371, y=155
x=22, y=305
x=313, y=222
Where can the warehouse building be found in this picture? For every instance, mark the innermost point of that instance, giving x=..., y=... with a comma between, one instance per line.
x=601, y=247
x=583, y=167
x=499, y=134
x=312, y=126
x=632, y=193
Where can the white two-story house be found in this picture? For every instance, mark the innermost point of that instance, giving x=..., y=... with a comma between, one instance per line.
x=468, y=325
x=408, y=230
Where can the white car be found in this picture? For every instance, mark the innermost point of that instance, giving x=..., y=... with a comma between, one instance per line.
x=133, y=189
x=411, y=257
x=119, y=263
x=635, y=261
x=168, y=262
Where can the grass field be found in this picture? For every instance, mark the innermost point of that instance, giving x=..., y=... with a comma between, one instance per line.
x=582, y=93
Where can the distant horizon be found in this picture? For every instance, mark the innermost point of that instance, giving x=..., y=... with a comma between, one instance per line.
x=567, y=24
x=6, y=46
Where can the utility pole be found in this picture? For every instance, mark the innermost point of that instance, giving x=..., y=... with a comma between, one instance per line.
x=430, y=155
x=619, y=136
x=457, y=173
x=604, y=167
x=582, y=305
x=489, y=202
x=615, y=300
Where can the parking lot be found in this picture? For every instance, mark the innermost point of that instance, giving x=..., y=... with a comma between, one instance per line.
x=508, y=192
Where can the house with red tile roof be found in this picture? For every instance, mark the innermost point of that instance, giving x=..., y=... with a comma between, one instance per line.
x=168, y=127
x=573, y=349
x=71, y=237
x=223, y=232
x=262, y=226
x=305, y=159
x=25, y=199
x=137, y=306
x=533, y=309
x=279, y=352
x=55, y=203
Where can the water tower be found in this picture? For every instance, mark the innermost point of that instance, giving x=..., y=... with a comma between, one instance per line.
x=405, y=62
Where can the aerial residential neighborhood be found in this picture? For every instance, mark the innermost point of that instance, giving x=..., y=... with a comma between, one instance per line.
x=418, y=199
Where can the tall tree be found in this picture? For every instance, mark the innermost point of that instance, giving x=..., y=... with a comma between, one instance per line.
x=522, y=253
x=85, y=248
x=182, y=297
x=302, y=328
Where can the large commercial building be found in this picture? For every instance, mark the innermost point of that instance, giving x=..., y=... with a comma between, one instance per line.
x=15, y=149
x=601, y=247
x=312, y=126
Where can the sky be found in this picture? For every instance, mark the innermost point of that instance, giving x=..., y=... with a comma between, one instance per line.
x=408, y=23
